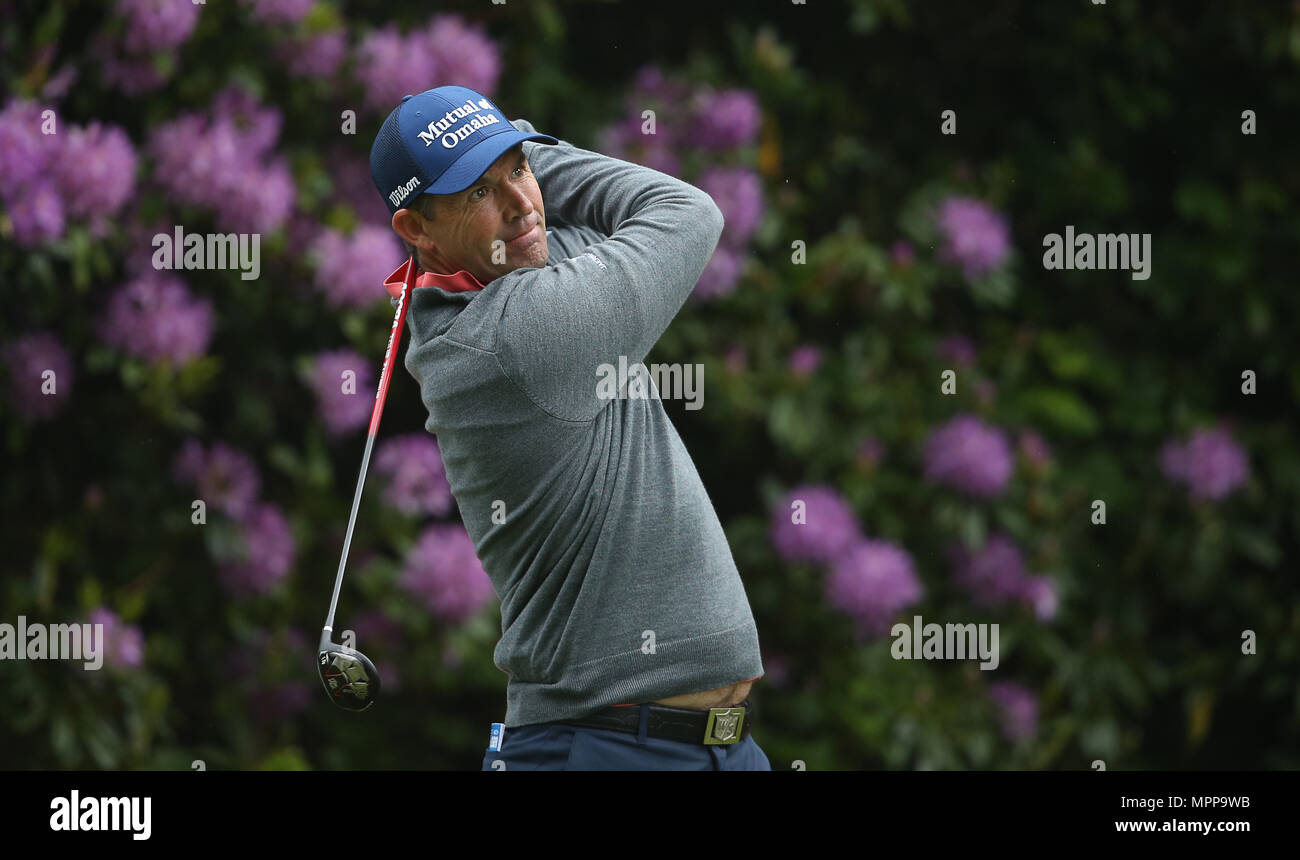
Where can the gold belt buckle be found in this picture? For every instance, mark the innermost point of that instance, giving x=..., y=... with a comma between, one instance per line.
x=724, y=725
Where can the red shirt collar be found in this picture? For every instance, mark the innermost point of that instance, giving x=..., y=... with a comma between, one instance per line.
x=460, y=282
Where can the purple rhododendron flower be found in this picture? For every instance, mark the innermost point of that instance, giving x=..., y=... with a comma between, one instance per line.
x=720, y=275
x=266, y=554
x=872, y=582
x=417, y=482
x=993, y=574
x=37, y=215
x=828, y=528
x=353, y=186
x=374, y=625
x=464, y=53
x=157, y=25
x=902, y=253
x=345, y=403
x=957, y=349
x=272, y=704
x=26, y=153
x=975, y=237
x=726, y=119
x=133, y=76
x=96, y=174
x=390, y=65
x=805, y=359
x=226, y=478
x=278, y=12
x=156, y=317
x=970, y=455
x=739, y=194
x=625, y=140
x=443, y=571
x=1210, y=463
x=223, y=161
x=1040, y=593
x=257, y=126
x=27, y=360
x=350, y=269
x=316, y=56
x=123, y=644
x=651, y=84
x=60, y=83
x=1017, y=708
x=1034, y=448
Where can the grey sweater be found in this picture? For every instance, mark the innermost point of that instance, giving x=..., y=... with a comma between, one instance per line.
x=616, y=581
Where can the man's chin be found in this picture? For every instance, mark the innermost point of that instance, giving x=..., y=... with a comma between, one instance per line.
x=532, y=257
x=535, y=256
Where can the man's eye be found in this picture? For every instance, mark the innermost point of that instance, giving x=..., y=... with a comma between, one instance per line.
x=474, y=194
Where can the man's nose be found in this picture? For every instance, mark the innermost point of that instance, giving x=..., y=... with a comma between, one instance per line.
x=518, y=204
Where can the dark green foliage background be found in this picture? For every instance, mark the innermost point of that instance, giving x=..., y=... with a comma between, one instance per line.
x=1123, y=117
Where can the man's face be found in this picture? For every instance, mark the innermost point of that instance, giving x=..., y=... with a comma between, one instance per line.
x=493, y=227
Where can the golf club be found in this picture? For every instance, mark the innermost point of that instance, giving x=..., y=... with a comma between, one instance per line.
x=350, y=679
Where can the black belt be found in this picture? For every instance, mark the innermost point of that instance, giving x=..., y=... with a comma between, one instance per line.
x=713, y=726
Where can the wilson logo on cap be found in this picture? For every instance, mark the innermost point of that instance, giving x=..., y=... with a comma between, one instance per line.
x=402, y=191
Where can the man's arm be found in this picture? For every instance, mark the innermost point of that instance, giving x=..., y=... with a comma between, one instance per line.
x=563, y=321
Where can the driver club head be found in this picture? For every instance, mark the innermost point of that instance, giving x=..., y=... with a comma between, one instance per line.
x=350, y=679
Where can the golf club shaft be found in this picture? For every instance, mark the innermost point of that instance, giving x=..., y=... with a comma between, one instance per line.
x=390, y=358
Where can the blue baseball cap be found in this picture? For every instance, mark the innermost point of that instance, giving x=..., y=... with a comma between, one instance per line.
x=440, y=142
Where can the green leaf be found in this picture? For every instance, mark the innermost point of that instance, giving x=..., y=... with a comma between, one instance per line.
x=47, y=31
x=1063, y=358
x=289, y=758
x=63, y=740
x=1258, y=546
x=92, y=594
x=318, y=471
x=997, y=288
x=973, y=528
x=285, y=459
x=133, y=373
x=103, y=744
x=99, y=359
x=196, y=374
x=1197, y=200
x=549, y=22
x=792, y=425
x=132, y=604
x=1061, y=408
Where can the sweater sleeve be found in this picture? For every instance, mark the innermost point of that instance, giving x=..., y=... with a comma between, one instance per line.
x=562, y=322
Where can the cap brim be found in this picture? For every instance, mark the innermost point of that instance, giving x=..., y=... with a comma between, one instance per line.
x=465, y=171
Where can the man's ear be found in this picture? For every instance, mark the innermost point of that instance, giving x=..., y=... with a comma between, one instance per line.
x=410, y=226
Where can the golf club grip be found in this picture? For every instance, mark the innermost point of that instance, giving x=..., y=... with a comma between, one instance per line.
x=390, y=358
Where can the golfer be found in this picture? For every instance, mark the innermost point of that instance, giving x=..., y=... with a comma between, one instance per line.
x=626, y=632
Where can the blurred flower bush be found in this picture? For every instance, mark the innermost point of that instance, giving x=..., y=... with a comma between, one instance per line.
x=867, y=262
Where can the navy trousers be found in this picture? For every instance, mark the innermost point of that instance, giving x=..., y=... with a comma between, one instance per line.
x=560, y=746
